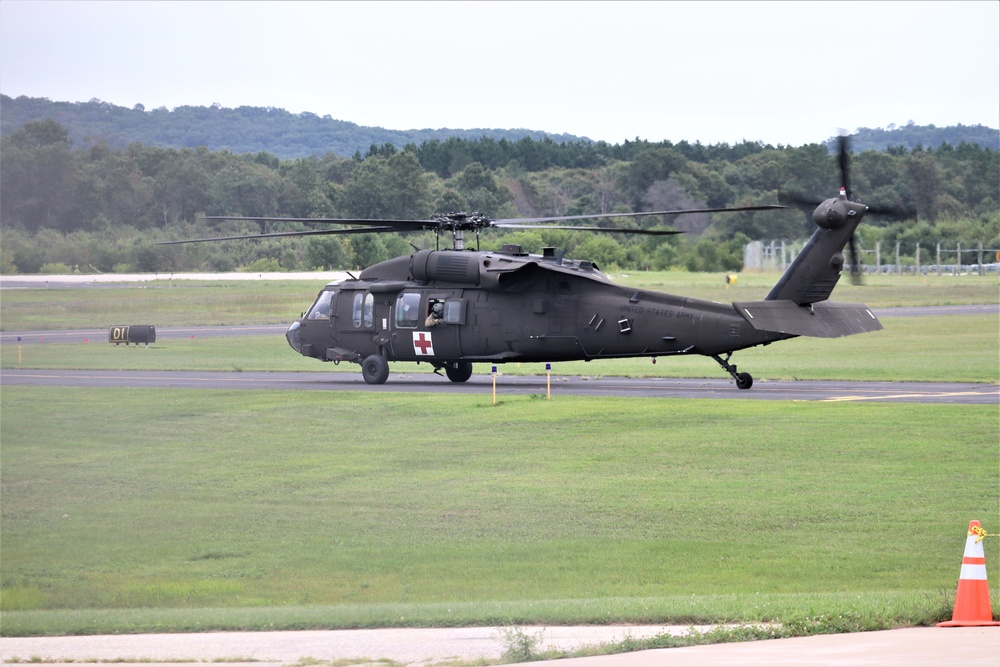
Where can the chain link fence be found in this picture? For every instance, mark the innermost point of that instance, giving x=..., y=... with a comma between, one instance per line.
x=936, y=259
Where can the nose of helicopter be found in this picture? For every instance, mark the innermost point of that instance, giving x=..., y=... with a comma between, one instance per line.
x=294, y=336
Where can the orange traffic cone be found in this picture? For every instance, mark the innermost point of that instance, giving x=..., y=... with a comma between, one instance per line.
x=972, y=601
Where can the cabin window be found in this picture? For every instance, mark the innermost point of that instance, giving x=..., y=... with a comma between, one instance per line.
x=356, y=311
x=453, y=311
x=408, y=310
x=369, y=310
x=321, y=308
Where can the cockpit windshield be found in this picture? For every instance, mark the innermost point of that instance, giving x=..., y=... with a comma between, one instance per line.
x=321, y=309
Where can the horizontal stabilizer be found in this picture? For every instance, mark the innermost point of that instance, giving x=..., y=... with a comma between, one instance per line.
x=820, y=320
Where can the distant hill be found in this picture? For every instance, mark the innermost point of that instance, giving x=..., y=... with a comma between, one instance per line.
x=240, y=130
x=288, y=135
x=911, y=136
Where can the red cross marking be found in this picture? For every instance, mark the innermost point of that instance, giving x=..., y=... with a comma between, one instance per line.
x=422, y=341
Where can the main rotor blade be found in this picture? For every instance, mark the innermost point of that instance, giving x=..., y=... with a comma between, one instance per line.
x=562, y=218
x=391, y=225
x=461, y=222
x=892, y=212
x=315, y=232
x=612, y=230
x=799, y=201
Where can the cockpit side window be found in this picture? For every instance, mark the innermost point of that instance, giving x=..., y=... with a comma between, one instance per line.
x=321, y=308
x=408, y=310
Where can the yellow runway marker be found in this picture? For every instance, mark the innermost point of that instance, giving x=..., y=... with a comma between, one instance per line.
x=882, y=397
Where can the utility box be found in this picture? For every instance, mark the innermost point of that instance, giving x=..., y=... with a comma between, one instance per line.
x=132, y=333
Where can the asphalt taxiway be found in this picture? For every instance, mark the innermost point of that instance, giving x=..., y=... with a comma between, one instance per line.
x=520, y=385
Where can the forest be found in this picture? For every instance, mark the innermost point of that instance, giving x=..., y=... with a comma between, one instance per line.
x=102, y=208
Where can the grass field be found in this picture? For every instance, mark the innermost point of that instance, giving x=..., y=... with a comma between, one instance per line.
x=128, y=510
x=448, y=509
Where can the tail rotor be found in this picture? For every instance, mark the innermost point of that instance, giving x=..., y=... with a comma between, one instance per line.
x=826, y=212
x=843, y=159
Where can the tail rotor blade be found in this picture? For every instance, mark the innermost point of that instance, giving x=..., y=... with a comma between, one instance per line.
x=855, y=261
x=843, y=159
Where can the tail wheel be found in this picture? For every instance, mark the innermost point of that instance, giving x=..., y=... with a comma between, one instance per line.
x=743, y=380
x=458, y=371
x=375, y=369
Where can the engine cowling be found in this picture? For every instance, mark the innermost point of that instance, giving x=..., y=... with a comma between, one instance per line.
x=445, y=266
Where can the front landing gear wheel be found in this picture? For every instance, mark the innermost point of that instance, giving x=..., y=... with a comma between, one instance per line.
x=375, y=369
x=458, y=371
x=744, y=380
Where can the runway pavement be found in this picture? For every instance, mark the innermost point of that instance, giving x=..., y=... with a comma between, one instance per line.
x=907, y=647
x=521, y=385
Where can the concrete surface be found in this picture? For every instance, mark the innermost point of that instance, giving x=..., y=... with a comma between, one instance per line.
x=910, y=647
x=907, y=647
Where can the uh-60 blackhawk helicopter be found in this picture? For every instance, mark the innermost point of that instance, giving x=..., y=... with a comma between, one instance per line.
x=451, y=308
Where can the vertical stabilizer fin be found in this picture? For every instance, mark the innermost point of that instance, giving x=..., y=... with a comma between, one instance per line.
x=815, y=271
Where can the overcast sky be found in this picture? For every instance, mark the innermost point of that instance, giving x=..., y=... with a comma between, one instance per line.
x=779, y=72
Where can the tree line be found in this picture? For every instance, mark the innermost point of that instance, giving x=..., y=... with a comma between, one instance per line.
x=100, y=208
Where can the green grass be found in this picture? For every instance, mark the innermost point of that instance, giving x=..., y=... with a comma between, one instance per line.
x=162, y=303
x=954, y=349
x=430, y=507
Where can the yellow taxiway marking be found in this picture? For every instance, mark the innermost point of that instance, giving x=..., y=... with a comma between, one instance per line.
x=918, y=394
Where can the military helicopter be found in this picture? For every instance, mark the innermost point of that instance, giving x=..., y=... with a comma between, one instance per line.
x=450, y=308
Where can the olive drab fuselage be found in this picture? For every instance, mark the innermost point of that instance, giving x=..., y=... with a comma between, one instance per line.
x=507, y=306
